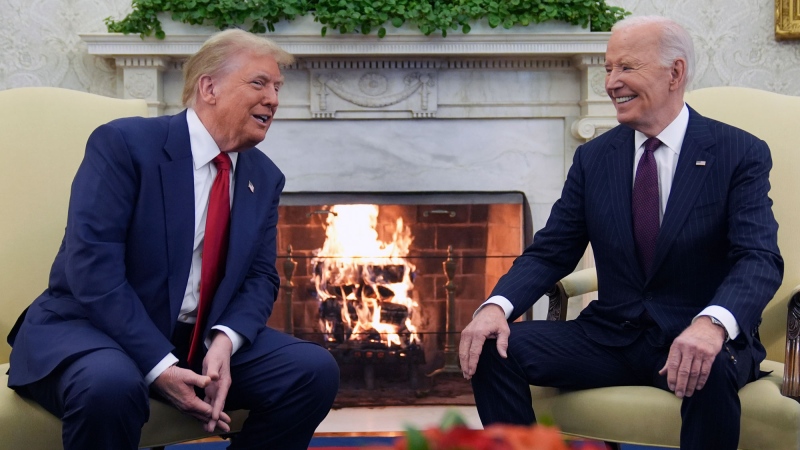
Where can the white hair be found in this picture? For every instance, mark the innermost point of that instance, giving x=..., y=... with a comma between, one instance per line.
x=675, y=42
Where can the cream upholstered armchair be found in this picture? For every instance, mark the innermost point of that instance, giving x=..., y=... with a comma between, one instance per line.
x=770, y=413
x=43, y=132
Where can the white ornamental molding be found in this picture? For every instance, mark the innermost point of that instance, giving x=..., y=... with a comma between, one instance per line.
x=312, y=44
x=140, y=84
x=588, y=128
x=597, y=82
x=149, y=61
x=373, y=93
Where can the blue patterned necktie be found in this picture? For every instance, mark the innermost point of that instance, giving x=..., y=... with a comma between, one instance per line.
x=645, y=205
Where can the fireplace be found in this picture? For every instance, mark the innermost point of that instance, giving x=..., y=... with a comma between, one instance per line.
x=369, y=283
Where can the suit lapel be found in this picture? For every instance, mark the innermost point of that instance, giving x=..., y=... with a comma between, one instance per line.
x=686, y=184
x=177, y=184
x=620, y=169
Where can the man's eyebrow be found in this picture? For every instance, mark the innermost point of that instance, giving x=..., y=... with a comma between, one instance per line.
x=268, y=77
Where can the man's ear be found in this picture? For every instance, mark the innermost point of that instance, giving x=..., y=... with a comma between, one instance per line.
x=677, y=74
x=206, y=89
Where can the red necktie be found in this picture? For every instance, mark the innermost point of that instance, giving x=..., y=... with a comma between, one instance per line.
x=215, y=249
x=645, y=205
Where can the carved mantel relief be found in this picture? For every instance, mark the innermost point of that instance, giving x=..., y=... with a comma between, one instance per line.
x=363, y=92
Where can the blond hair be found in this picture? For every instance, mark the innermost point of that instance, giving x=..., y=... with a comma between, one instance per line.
x=216, y=54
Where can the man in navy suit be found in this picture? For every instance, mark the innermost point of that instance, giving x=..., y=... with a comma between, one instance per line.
x=115, y=322
x=680, y=299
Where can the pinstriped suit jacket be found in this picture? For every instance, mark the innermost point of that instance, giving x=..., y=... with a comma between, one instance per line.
x=717, y=244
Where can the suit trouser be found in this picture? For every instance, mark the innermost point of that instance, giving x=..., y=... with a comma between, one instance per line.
x=559, y=354
x=103, y=402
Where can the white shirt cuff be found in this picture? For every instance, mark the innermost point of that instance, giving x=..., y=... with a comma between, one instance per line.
x=724, y=316
x=168, y=361
x=500, y=301
x=236, y=339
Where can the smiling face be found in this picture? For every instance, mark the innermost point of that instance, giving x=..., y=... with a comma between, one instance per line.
x=238, y=104
x=647, y=95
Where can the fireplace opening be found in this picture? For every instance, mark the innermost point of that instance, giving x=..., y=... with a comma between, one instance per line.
x=386, y=281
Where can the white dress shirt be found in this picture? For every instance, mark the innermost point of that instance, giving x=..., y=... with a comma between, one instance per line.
x=204, y=150
x=666, y=157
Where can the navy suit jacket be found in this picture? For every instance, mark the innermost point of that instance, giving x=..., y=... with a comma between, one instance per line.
x=717, y=244
x=119, y=278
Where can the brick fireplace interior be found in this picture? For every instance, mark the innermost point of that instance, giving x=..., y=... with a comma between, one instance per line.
x=486, y=231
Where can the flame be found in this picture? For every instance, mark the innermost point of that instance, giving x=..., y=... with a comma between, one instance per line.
x=364, y=284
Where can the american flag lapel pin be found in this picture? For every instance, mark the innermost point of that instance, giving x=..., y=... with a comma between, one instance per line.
x=697, y=163
x=250, y=186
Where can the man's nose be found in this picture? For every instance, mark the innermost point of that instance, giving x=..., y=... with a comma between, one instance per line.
x=612, y=80
x=270, y=98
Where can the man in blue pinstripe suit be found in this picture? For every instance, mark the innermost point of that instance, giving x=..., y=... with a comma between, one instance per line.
x=680, y=312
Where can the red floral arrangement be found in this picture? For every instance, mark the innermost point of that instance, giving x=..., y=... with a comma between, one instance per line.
x=453, y=434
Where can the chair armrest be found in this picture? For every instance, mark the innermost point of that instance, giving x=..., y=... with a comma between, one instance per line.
x=576, y=283
x=791, y=367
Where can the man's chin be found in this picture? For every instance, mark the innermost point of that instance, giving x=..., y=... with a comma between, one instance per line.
x=258, y=131
x=625, y=119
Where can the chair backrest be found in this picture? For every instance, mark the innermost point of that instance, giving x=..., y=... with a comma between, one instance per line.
x=775, y=119
x=43, y=133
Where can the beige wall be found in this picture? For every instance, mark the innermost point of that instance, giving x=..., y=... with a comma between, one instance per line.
x=39, y=43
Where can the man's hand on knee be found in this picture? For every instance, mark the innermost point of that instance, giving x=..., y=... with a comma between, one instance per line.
x=489, y=323
x=691, y=356
x=177, y=385
x=216, y=366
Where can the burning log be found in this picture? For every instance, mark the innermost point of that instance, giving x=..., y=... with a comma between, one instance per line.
x=394, y=314
x=385, y=274
x=363, y=284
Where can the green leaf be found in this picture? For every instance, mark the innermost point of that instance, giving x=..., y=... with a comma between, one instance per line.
x=546, y=421
x=452, y=419
x=381, y=32
x=324, y=31
x=397, y=22
x=416, y=440
x=466, y=28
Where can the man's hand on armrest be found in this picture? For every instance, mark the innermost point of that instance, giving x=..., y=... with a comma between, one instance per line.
x=489, y=323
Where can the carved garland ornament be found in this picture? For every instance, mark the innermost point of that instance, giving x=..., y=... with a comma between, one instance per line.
x=372, y=86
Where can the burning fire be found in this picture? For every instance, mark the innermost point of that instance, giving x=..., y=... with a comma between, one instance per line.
x=364, y=284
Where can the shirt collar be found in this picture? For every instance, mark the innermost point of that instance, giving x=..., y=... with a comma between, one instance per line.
x=204, y=149
x=672, y=136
